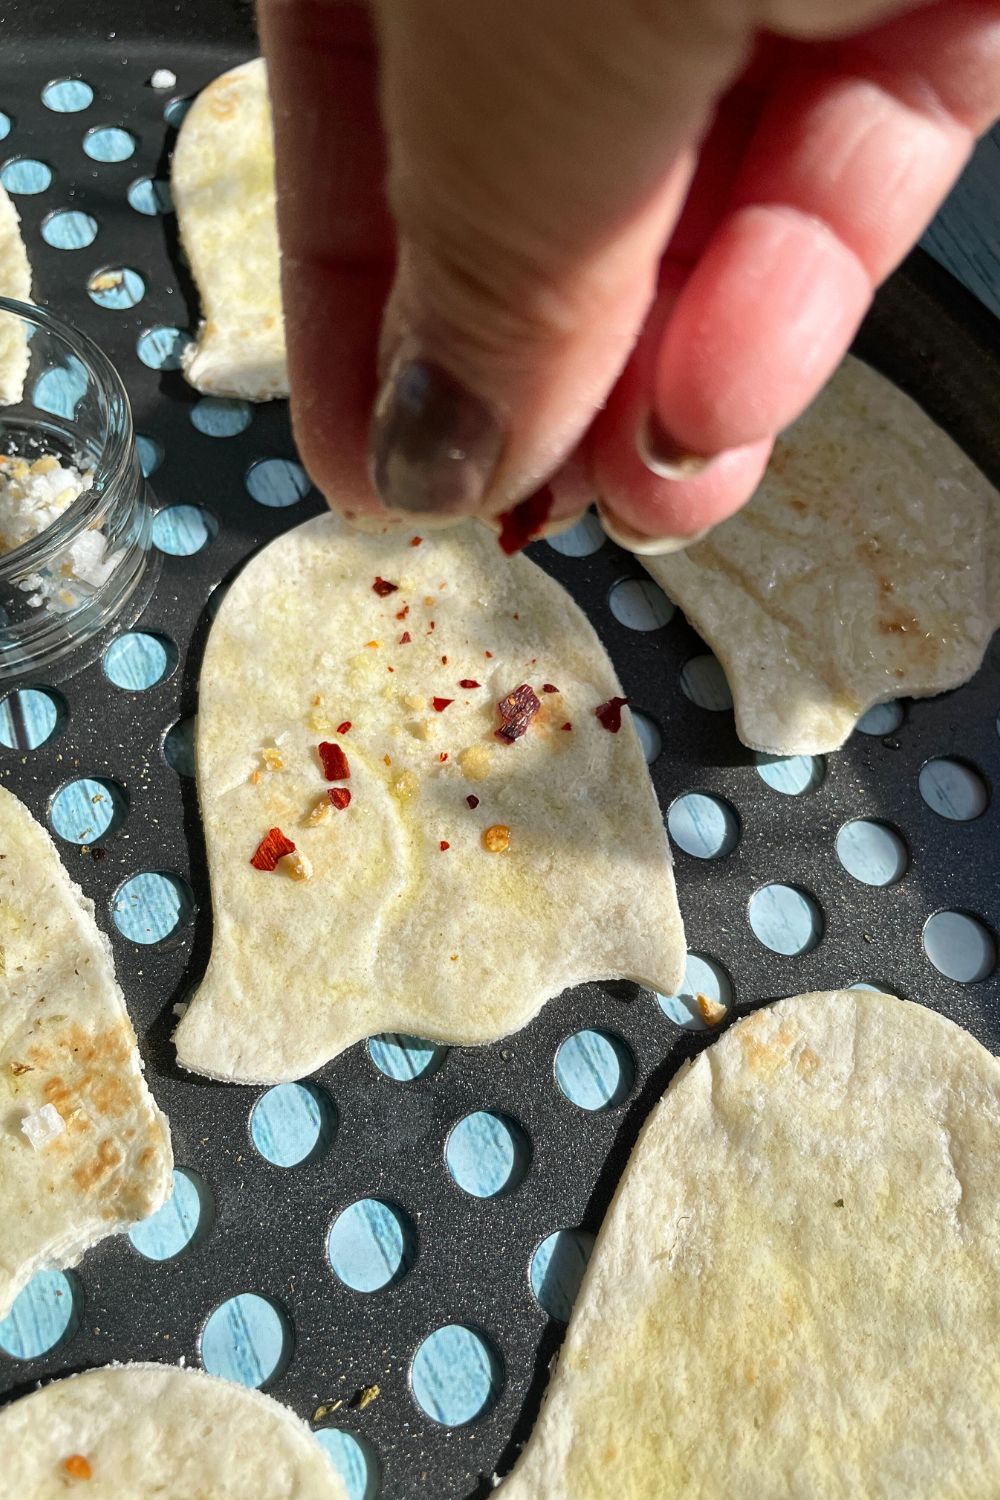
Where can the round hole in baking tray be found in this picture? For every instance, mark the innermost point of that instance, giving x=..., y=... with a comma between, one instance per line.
x=178, y=747
x=355, y=1460
x=785, y=918
x=221, y=416
x=151, y=453
x=88, y=809
x=371, y=1245
x=594, y=1070
x=960, y=946
x=883, y=718
x=45, y=1315
x=557, y=1268
x=30, y=717
x=704, y=682
x=138, y=660
x=702, y=976
x=162, y=347
x=6, y=125
x=487, y=1154
x=176, y=109
x=60, y=390
x=704, y=826
x=183, y=530
x=293, y=1123
x=151, y=906
x=581, y=540
x=954, y=789
x=179, y=1224
x=791, y=775
x=117, y=288
x=247, y=1338
x=405, y=1058
x=150, y=196
x=277, y=482
x=872, y=852
x=109, y=143
x=640, y=604
x=456, y=1375
x=650, y=736
x=69, y=229
x=25, y=175
x=67, y=96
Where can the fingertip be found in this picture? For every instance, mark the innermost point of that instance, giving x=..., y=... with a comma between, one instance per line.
x=758, y=328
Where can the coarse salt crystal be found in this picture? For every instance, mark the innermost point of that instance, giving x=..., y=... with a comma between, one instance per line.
x=43, y=1125
x=162, y=78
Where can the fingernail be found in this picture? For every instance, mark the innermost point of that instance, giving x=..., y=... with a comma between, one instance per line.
x=665, y=458
x=434, y=445
x=646, y=546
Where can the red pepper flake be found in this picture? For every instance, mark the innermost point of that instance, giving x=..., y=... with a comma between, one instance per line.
x=430, y=627
x=335, y=767
x=444, y=844
x=443, y=756
x=401, y=614
x=340, y=796
x=390, y=669
x=344, y=727
x=468, y=682
x=567, y=725
x=272, y=847
x=440, y=704
x=610, y=714
x=78, y=1467
x=548, y=687
x=415, y=541
x=524, y=521
x=516, y=712
x=405, y=638
x=444, y=661
x=472, y=800
x=384, y=588
x=488, y=655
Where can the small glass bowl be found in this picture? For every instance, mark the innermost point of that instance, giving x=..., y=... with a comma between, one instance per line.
x=60, y=589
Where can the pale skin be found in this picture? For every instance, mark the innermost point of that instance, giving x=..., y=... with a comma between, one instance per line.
x=640, y=233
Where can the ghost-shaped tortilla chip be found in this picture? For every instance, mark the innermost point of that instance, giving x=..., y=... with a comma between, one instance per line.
x=796, y=1290
x=438, y=732
x=866, y=567
x=222, y=180
x=84, y=1151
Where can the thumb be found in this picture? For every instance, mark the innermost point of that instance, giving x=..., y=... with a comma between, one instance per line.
x=538, y=157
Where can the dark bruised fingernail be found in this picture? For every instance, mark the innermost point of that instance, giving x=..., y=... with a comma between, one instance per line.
x=663, y=456
x=434, y=445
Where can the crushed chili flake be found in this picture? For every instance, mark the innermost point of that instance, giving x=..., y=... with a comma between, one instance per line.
x=609, y=714
x=415, y=541
x=567, y=725
x=443, y=755
x=428, y=599
x=444, y=661
x=78, y=1467
x=444, y=844
x=401, y=614
x=334, y=761
x=516, y=712
x=440, y=704
x=272, y=847
x=343, y=727
x=256, y=777
x=384, y=588
x=472, y=800
x=430, y=627
x=317, y=700
x=496, y=838
x=387, y=760
x=405, y=638
x=468, y=682
x=549, y=687
x=524, y=521
x=372, y=645
x=340, y=797
x=488, y=655
x=390, y=669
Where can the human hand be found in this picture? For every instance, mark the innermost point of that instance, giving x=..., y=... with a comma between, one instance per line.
x=612, y=246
